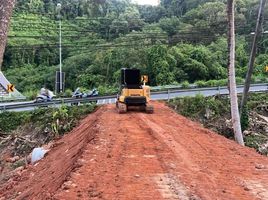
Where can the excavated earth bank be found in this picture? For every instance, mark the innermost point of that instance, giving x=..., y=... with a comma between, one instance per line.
x=142, y=156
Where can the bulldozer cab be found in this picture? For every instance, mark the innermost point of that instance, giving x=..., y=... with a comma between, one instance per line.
x=130, y=79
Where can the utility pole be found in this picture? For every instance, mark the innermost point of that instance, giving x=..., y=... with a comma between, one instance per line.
x=60, y=50
x=60, y=61
x=257, y=34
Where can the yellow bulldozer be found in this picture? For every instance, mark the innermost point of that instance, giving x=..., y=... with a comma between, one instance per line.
x=134, y=92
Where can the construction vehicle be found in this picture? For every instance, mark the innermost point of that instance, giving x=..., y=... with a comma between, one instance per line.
x=134, y=92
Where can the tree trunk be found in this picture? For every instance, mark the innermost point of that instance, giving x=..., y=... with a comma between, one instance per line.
x=6, y=7
x=258, y=31
x=231, y=74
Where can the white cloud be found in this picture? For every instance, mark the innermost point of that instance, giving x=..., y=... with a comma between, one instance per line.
x=146, y=2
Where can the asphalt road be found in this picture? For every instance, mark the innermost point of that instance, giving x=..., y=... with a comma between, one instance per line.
x=182, y=93
x=162, y=95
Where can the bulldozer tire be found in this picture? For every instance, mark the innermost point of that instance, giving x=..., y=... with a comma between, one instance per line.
x=116, y=104
x=142, y=108
x=149, y=109
x=122, y=108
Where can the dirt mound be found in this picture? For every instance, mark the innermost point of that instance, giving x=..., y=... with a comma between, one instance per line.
x=142, y=156
x=43, y=179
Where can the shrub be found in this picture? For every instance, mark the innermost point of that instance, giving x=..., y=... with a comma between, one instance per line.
x=244, y=120
x=79, y=111
x=45, y=117
x=189, y=106
x=11, y=120
x=65, y=118
x=195, y=107
x=31, y=94
x=253, y=141
x=201, y=83
x=68, y=93
x=263, y=79
x=212, y=83
x=60, y=123
x=223, y=82
x=107, y=90
x=239, y=80
x=254, y=79
x=185, y=84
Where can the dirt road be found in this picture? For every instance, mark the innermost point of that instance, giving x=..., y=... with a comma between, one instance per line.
x=140, y=156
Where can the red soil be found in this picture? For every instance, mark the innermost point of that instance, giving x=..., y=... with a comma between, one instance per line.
x=142, y=156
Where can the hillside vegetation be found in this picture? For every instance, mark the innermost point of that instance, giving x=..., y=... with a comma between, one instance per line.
x=174, y=42
x=213, y=113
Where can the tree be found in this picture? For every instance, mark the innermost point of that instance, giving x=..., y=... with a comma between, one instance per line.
x=160, y=65
x=170, y=25
x=180, y=7
x=6, y=8
x=132, y=16
x=151, y=14
x=210, y=14
x=231, y=76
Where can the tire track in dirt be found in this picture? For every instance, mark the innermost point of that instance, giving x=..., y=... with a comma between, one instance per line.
x=147, y=157
x=213, y=167
x=126, y=162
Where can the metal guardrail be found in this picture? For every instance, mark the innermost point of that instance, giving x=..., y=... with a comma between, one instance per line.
x=175, y=90
x=191, y=86
x=166, y=87
x=221, y=90
x=4, y=99
x=54, y=102
x=94, y=99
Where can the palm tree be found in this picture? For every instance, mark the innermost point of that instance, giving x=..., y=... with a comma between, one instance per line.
x=231, y=73
x=6, y=8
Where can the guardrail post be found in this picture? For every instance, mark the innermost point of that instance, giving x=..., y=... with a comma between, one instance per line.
x=219, y=88
x=168, y=94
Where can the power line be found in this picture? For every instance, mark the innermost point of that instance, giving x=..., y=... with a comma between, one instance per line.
x=98, y=30
x=77, y=44
x=101, y=47
x=182, y=36
x=186, y=37
x=103, y=28
x=87, y=42
x=18, y=28
x=86, y=29
x=75, y=36
x=75, y=19
x=45, y=36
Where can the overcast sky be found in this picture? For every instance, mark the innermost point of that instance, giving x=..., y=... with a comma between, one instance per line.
x=148, y=2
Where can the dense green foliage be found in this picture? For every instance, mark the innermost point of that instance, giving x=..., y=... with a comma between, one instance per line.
x=175, y=42
x=244, y=118
x=11, y=120
x=196, y=107
x=67, y=117
x=213, y=113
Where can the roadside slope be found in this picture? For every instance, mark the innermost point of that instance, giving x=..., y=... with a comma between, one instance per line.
x=141, y=156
